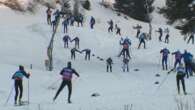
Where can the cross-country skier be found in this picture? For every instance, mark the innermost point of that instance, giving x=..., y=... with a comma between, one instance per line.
x=138, y=28
x=109, y=63
x=142, y=38
x=178, y=57
x=66, y=38
x=191, y=38
x=180, y=77
x=167, y=38
x=160, y=31
x=65, y=23
x=118, y=30
x=49, y=13
x=92, y=22
x=87, y=53
x=57, y=14
x=126, y=43
x=66, y=74
x=187, y=57
x=111, y=24
x=125, y=65
x=18, y=77
x=76, y=40
x=73, y=53
x=165, y=52
x=72, y=20
x=54, y=23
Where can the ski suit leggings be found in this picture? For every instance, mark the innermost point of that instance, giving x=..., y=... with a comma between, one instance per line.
x=18, y=89
x=177, y=61
x=178, y=79
x=164, y=62
x=63, y=84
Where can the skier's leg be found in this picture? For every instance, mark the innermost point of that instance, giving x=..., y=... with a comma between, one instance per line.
x=69, y=90
x=177, y=80
x=21, y=90
x=16, y=91
x=60, y=89
x=163, y=60
x=110, y=68
x=139, y=44
x=107, y=68
x=183, y=85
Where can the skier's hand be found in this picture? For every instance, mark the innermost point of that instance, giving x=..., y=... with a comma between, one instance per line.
x=28, y=75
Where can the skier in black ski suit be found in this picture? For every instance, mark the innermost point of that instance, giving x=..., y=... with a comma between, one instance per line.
x=87, y=53
x=138, y=28
x=66, y=38
x=118, y=30
x=167, y=38
x=92, y=22
x=111, y=24
x=76, y=40
x=109, y=63
x=180, y=77
x=66, y=73
x=191, y=38
x=73, y=53
x=160, y=30
x=18, y=76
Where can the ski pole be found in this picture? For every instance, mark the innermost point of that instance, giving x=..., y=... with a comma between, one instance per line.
x=28, y=91
x=51, y=85
x=162, y=83
x=7, y=100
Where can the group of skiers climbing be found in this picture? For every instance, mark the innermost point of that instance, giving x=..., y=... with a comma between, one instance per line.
x=181, y=69
x=67, y=72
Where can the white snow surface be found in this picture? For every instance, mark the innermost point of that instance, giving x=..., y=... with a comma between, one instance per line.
x=24, y=40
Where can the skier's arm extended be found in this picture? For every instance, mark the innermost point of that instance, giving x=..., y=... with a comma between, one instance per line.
x=76, y=73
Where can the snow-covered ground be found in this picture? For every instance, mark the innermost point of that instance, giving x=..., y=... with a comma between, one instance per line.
x=24, y=39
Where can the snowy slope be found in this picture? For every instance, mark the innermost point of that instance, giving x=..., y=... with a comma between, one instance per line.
x=24, y=39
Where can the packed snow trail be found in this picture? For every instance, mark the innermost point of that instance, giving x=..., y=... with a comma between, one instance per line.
x=116, y=89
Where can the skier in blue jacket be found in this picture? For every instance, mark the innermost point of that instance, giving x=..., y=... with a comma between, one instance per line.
x=65, y=23
x=142, y=38
x=187, y=57
x=18, y=77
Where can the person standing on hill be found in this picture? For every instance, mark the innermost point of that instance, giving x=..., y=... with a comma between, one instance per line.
x=18, y=78
x=92, y=22
x=125, y=64
x=66, y=74
x=180, y=77
x=66, y=38
x=191, y=38
x=187, y=58
x=160, y=31
x=165, y=52
x=142, y=38
x=109, y=63
x=138, y=28
x=49, y=13
x=111, y=24
x=178, y=57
